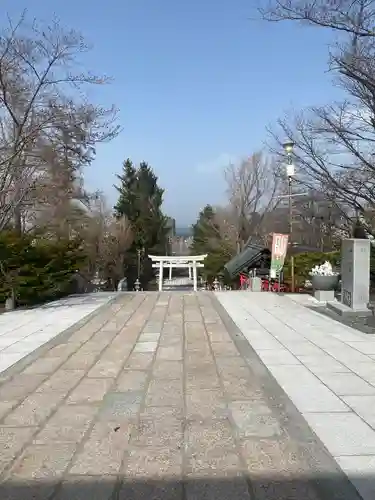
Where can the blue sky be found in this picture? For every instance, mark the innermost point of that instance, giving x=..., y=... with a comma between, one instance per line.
x=196, y=84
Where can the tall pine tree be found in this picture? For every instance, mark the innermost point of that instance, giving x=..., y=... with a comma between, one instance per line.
x=140, y=200
x=208, y=240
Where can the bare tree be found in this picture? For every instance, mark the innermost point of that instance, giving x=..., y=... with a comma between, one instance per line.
x=348, y=16
x=333, y=151
x=106, y=240
x=252, y=188
x=335, y=144
x=44, y=112
x=222, y=233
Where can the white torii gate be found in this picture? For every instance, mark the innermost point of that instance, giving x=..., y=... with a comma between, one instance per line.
x=192, y=262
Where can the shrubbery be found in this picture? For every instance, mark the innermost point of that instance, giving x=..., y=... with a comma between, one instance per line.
x=34, y=270
x=304, y=262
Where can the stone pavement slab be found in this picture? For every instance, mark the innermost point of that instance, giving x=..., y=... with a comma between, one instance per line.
x=24, y=331
x=191, y=415
x=326, y=368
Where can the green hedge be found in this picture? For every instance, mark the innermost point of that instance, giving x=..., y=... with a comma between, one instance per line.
x=36, y=270
x=304, y=262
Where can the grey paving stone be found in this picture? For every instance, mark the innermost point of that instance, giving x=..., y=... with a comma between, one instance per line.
x=315, y=397
x=302, y=348
x=174, y=340
x=132, y=380
x=34, y=410
x=201, y=370
x=159, y=427
x=218, y=335
x=152, y=462
x=272, y=458
x=224, y=348
x=20, y=386
x=121, y=405
x=347, y=384
x=106, y=368
x=364, y=347
x=5, y=407
x=364, y=406
x=210, y=437
x=87, y=488
x=277, y=357
x=139, y=361
x=254, y=418
x=145, y=347
x=149, y=337
x=238, y=389
x=288, y=489
x=209, y=463
x=205, y=404
x=156, y=490
x=61, y=381
x=365, y=371
x=80, y=361
x=12, y=440
x=201, y=380
x=221, y=489
x=233, y=366
x=97, y=343
x=165, y=393
x=22, y=490
x=361, y=471
x=90, y=390
x=68, y=424
x=44, y=461
x=318, y=365
x=172, y=353
x=343, y=433
x=103, y=450
x=167, y=369
x=117, y=352
x=63, y=350
x=44, y=365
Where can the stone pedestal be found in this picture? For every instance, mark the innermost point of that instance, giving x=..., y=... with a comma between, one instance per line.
x=355, y=276
x=324, y=295
x=255, y=285
x=10, y=304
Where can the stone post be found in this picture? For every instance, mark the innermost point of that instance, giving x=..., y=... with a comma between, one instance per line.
x=355, y=276
x=255, y=284
x=160, y=276
x=195, y=284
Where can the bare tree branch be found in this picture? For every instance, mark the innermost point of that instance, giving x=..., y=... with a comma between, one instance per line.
x=252, y=186
x=347, y=16
x=42, y=107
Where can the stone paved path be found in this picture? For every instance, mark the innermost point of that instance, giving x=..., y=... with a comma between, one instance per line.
x=23, y=331
x=157, y=397
x=326, y=368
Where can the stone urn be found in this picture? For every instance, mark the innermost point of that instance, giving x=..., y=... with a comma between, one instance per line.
x=324, y=283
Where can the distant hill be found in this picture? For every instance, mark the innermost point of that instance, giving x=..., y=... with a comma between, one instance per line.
x=184, y=231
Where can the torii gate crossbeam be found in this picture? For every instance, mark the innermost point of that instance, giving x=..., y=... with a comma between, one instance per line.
x=185, y=261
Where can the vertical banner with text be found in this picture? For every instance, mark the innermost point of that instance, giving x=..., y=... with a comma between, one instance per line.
x=279, y=249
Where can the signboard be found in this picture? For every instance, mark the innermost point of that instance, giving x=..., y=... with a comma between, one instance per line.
x=279, y=249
